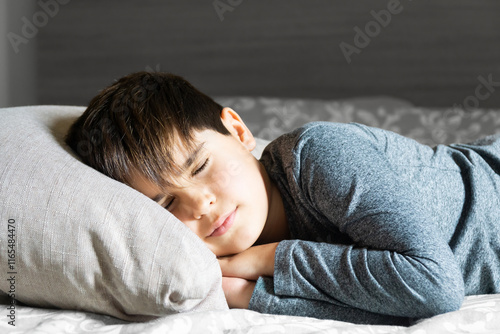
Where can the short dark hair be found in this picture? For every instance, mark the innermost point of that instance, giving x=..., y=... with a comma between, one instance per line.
x=134, y=125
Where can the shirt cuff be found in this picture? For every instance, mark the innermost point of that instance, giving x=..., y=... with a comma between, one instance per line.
x=283, y=269
x=263, y=295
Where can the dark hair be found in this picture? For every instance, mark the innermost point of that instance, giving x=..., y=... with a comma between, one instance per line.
x=134, y=126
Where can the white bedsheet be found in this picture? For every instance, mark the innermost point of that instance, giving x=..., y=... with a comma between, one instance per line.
x=478, y=314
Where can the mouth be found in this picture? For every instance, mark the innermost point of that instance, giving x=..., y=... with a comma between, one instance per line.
x=223, y=224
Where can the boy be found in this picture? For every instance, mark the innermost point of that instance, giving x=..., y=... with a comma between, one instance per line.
x=337, y=221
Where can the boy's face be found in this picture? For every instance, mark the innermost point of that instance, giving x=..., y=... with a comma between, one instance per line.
x=224, y=196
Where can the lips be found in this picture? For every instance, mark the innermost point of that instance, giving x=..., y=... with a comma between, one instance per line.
x=223, y=224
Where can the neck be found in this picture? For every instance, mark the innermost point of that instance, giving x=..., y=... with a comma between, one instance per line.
x=276, y=227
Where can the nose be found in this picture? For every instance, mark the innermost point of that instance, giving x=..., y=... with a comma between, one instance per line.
x=201, y=203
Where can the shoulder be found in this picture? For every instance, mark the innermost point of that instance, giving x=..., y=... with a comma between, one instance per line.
x=316, y=141
x=332, y=135
x=326, y=138
x=316, y=132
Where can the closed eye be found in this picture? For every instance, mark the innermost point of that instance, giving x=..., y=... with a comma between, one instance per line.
x=170, y=201
x=202, y=167
x=167, y=206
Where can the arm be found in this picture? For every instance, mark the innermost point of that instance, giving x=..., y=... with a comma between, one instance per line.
x=397, y=265
x=265, y=300
x=240, y=272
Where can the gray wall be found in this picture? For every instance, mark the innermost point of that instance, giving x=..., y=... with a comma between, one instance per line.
x=17, y=63
x=4, y=81
x=431, y=53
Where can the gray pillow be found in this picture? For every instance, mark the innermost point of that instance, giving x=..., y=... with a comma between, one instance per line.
x=84, y=241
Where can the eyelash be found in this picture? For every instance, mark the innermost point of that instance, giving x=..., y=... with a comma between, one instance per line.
x=199, y=170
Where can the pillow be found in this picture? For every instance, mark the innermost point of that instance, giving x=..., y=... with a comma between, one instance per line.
x=80, y=240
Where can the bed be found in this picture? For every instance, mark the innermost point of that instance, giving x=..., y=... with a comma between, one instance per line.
x=90, y=259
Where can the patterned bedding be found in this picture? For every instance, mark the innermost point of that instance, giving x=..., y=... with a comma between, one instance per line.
x=479, y=314
x=267, y=118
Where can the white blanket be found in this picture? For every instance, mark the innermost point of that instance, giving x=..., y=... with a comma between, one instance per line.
x=478, y=314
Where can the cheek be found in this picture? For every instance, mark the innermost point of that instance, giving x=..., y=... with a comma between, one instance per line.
x=228, y=176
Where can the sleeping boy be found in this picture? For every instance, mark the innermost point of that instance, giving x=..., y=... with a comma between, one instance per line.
x=335, y=221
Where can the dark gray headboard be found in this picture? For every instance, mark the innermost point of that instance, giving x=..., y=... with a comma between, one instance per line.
x=431, y=53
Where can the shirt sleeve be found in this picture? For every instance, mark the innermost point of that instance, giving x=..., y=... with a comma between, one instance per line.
x=265, y=300
x=398, y=264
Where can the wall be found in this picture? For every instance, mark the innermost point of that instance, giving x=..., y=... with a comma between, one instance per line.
x=4, y=93
x=432, y=53
x=17, y=63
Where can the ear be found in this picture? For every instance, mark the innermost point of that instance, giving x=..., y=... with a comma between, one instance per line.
x=238, y=129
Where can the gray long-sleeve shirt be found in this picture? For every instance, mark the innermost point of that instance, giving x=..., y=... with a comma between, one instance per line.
x=383, y=229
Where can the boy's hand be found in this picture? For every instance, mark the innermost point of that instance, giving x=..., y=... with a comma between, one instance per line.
x=251, y=263
x=238, y=291
x=240, y=271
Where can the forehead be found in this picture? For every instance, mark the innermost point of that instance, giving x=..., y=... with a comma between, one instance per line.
x=183, y=155
x=185, y=151
x=181, y=149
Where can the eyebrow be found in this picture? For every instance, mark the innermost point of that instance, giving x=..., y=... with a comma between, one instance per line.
x=193, y=156
x=188, y=163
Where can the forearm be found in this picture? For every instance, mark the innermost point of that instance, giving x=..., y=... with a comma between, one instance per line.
x=265, y=301
x=376, y=281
